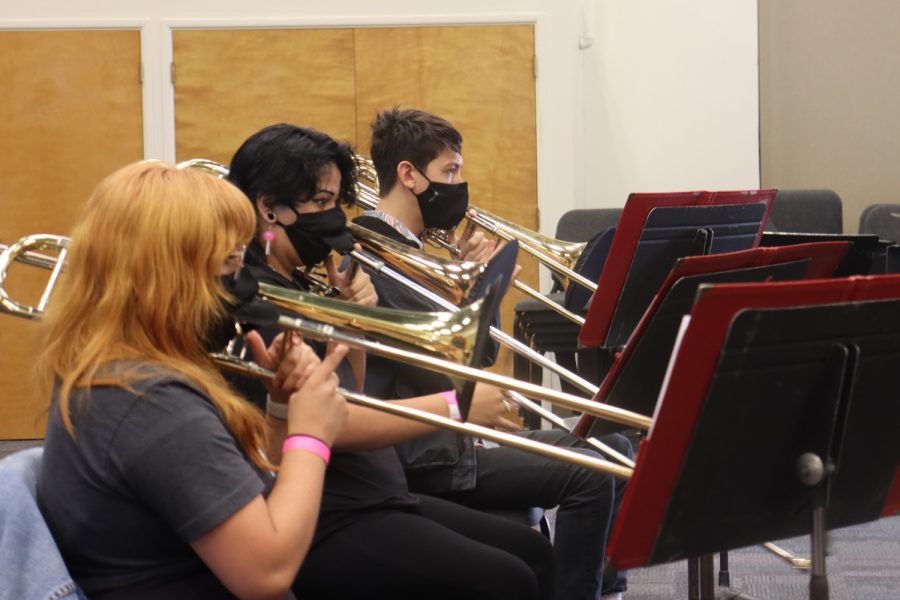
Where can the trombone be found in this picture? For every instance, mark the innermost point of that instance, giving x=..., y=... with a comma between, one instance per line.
x=374, y=320
x=447, y=284
x=250, y=369
x=319, y=318
x=557, y=255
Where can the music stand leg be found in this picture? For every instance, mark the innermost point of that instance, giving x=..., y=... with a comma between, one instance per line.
x=818, y=580
x=707, y=581
x=724, y=575
x=693, y=578
x=813, y=472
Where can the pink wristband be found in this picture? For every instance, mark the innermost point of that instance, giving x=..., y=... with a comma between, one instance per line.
x=452, y=404
x=308, y=443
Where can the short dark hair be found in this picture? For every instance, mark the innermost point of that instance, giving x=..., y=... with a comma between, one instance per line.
x=408, y=134
x=284, y=162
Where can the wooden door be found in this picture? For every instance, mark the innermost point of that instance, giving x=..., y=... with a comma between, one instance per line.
x=232, y=83
x=70, y=114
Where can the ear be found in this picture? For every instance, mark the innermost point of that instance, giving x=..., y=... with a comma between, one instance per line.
x=264, y=206
x=405, y=175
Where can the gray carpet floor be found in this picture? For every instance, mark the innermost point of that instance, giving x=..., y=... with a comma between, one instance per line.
x=863, y=564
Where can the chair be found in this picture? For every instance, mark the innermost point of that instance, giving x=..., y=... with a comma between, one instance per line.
x=582, y=224
x=540, y=327
x=881, y=219
x=807, y=211
x=31, y=567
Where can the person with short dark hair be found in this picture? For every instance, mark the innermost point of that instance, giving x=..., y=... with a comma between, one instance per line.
x=374, y=538
x=418, y=158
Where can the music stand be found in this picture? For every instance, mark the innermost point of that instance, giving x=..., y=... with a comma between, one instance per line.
x=866, y=256
x=635, y=379
x=773, y=404
x=654, y=231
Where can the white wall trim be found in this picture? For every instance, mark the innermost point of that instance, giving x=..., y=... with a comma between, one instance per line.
x=403, y=20
x=55, y=24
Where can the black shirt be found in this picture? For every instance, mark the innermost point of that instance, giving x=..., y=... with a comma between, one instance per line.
x=354, y=481
x=441, y=461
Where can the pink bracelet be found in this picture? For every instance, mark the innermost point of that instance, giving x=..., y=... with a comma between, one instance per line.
x=452, y=404
x=308, y=443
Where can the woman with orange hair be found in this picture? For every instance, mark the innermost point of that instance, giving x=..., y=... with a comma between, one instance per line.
x=157, y=478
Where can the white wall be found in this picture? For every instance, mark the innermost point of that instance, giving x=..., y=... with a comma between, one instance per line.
x=670, y=98
x=664, y=99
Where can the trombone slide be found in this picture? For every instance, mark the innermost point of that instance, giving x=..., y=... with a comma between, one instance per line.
x=508, y=439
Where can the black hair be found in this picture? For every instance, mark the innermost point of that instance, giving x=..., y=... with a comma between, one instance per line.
x=285, y=162
x=408, y=134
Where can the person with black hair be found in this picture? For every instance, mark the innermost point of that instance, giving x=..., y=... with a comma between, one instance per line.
x=374, y=538
x=418, y=160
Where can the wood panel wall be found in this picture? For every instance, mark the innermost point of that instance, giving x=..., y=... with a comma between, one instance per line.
x=70, y=113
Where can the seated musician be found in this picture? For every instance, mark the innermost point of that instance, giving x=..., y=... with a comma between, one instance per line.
x=156, y=481
x=417, y=157
x=374, y=538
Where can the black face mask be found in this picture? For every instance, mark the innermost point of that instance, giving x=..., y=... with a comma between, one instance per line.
x=247, y=309
x=443, y=205
x=314, y=235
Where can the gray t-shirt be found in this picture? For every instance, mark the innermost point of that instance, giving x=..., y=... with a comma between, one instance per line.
x=149, y=471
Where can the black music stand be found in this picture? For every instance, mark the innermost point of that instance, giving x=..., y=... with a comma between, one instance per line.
x=866, y=256
x=637, y=384
x=766, y=428
x=653, y=230
x=670, y=233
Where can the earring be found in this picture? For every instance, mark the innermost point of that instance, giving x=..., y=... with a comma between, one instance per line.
x=268, y=234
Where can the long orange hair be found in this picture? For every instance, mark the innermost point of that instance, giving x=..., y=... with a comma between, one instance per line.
x=142, y=285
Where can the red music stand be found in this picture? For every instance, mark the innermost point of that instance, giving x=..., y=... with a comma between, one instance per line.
x=766, y=426
x=654, y=231
x=636, y=376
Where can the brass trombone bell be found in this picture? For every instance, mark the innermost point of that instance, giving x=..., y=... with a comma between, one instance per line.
x=451, y=335
x=451, y=279
x=557, y=255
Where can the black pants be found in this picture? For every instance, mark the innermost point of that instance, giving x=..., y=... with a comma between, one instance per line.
x=439, y=550
x=587, y=501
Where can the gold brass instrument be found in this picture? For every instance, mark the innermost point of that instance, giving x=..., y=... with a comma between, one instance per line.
x=250, y=369
x=319, y=318
x=452, y=279
x=543, y=248
x=203, y=164
x=445, y=282
x=456, y=343
x=26, y=250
